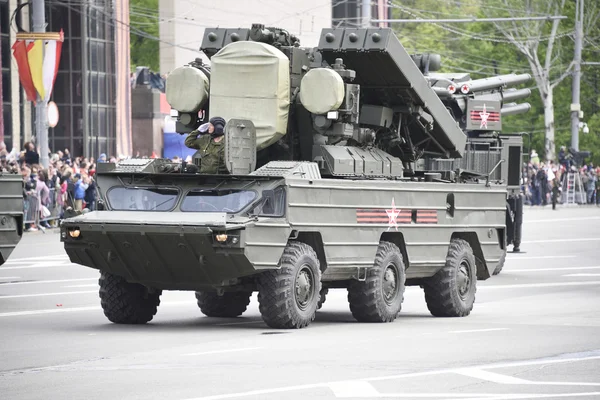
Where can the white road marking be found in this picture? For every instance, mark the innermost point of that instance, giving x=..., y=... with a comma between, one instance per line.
x=18, y=296
x=551, y=269
x=537, y=396
x=48, y=311
x=49, y=281
x=80, y=286
x=563, y=219
x=554, y=360
x=42, y=265
x=472, y=396
x=481, y=330
x=353, y=389
x=74, y=309
x=563, y=240
x=42, y=258
x=491, y=376
x=516, y=257
x=202, y=353
x=539, y=285
x=582, y=275
x=425, y=373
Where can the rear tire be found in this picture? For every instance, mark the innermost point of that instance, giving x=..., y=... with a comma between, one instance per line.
x=451, y=292
x=379, y=297
x=500, y=263
x=322, y=297
x=288, y=297
x=229, y=305
x=125, y=302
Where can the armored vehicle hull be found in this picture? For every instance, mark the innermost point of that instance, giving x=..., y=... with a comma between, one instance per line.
x=343, y=222
x=11, y=214
x=203, y=239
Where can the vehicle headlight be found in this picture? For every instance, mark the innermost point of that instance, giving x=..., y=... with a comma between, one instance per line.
x=227, y=239
x=74, y=233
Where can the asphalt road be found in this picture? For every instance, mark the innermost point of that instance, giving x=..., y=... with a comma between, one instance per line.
x=534, y=333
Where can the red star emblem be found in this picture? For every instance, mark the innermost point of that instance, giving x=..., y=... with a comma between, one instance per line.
x=484, y=117
x=393, y=216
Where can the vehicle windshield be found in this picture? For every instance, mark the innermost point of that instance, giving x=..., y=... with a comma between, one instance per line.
x=142, y=199
x=222, y=200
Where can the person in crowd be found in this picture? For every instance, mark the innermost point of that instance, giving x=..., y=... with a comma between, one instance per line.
x=29, y=192
x=30, y=155
x=80, y=185
x=90, y=194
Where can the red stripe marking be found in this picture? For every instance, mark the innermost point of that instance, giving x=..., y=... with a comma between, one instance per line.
x=375, y=221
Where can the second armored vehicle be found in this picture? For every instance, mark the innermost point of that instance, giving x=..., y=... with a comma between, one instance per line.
x=11, y=213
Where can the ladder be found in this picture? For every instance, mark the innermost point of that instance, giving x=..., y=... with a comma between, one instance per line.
x=573, y=190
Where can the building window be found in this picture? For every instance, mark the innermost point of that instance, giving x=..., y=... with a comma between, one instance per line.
x=85, y=98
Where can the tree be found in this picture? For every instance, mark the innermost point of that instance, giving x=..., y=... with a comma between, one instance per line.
x=144, y=29
x=527, y=36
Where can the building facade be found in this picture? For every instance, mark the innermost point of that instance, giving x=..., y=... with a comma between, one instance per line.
x=92, y=85
x=182, y=23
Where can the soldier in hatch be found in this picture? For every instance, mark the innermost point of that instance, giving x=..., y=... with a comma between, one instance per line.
x=211, y=144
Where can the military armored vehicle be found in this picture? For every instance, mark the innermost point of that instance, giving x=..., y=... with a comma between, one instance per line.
x=327, y=189
x=11, y=213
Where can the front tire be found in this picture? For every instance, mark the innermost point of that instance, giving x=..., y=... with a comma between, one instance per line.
x=229, y=305
x=125, y=302
x=451, y=292
x=288, y=297
x=379, y=297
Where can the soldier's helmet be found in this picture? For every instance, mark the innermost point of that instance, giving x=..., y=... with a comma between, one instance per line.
x=219, y=124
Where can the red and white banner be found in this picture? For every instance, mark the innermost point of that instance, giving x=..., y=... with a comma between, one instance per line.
x=38, y=61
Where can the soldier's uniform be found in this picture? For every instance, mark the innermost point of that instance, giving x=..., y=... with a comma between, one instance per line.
x=211, y=146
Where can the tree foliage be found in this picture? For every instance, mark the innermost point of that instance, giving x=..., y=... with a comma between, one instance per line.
x=144, y=31
x=481, y=49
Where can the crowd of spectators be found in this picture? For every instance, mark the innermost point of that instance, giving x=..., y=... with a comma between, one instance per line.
x=543, y=183
x=67, y=182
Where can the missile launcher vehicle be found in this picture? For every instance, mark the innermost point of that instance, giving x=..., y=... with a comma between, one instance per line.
x=329, y=187
x=11, y=213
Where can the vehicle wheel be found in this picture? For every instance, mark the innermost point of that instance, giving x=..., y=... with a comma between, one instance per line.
x=451, y=292
x=379, y=297
x=125, y=302
x=288, y=297
x=500, y=263
x=229, y=305
x=322, y=297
